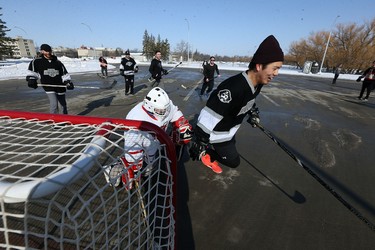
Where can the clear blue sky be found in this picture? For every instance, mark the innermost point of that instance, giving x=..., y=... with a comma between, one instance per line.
x=222, y=27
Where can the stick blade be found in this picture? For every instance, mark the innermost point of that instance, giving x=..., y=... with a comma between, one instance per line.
x=112, y=85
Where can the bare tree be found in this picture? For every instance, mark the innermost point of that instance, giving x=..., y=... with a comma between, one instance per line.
x=351, y=45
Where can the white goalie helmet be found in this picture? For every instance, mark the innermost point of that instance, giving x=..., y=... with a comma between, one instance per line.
x=157, y=102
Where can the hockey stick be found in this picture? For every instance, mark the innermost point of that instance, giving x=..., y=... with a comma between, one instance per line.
x=191, y=92
x=142, y=204
x=320, y=180
x=152, y=82
x=199, y=83
x=182, y=147
x=80, y=87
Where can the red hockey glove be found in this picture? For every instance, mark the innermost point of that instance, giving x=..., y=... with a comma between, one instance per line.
x=182, y=131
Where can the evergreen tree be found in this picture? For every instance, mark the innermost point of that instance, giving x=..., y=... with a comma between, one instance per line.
x=151, y=44
x=6, y=50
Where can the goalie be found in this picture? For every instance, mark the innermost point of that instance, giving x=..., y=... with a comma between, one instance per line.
x=142, y=147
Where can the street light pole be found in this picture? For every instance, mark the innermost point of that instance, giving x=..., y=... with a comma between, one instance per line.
x=16, y=27
x=329, y=38
x=91, y=35
x=188, y=45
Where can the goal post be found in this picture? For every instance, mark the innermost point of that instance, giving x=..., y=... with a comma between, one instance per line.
x=54, y=188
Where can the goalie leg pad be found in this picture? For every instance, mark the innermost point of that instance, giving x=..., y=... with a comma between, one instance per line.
x=132, y=168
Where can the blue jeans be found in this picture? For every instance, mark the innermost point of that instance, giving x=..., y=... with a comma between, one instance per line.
x=54, y=100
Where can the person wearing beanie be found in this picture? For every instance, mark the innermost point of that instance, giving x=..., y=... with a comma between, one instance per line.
x=128, y=67
x=214, y=134
x=50, y=72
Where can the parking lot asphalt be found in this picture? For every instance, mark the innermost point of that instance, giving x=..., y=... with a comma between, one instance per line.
x=270, y=201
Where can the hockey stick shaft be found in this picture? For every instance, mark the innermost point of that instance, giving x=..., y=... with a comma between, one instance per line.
x=199, y=83
x=80, y=87
x=142, y=204
x=320, y=180
x=175, y=67
x=153, y=81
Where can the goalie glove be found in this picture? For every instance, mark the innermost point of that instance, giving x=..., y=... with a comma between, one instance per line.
x=123, y=172
x=136, y=69
x=253, y=119
x=122, y=72
x=182, y=131
x=165, y=72
x=199, y=144
x=359, y=79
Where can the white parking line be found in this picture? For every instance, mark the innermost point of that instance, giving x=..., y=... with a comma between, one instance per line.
x=269, y=99
x=192, y=90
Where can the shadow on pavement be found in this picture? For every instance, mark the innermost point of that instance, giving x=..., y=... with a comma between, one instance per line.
x=96, y=104
x=185, y=238
x=297, y=197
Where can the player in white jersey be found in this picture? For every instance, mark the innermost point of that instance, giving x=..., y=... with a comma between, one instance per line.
x=141, y=147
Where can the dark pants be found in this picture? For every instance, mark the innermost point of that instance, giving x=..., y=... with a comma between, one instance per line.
x=225, y=153
x=209, y=84
x=156, y=83
x=129, y=84
x=104, y=71
x=335, y=78
x=366, y=85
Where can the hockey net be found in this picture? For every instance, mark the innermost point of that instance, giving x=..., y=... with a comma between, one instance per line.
x=54, y=193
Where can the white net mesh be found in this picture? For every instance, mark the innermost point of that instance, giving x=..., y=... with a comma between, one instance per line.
x=55, y=193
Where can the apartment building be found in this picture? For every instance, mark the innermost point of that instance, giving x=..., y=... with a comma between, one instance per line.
x=23, y=47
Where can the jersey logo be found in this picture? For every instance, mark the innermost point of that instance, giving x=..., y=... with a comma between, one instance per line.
x=225, y=96
x=51, y=72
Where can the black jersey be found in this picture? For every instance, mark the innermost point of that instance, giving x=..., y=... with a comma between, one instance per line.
x=155, y=69
x=209, y=71
x=227, y=107
x=128, y=65
x=49, y=71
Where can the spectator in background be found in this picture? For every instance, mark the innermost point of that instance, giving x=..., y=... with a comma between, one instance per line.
x=337, y=73
x=103, y=66
x=368, y=83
